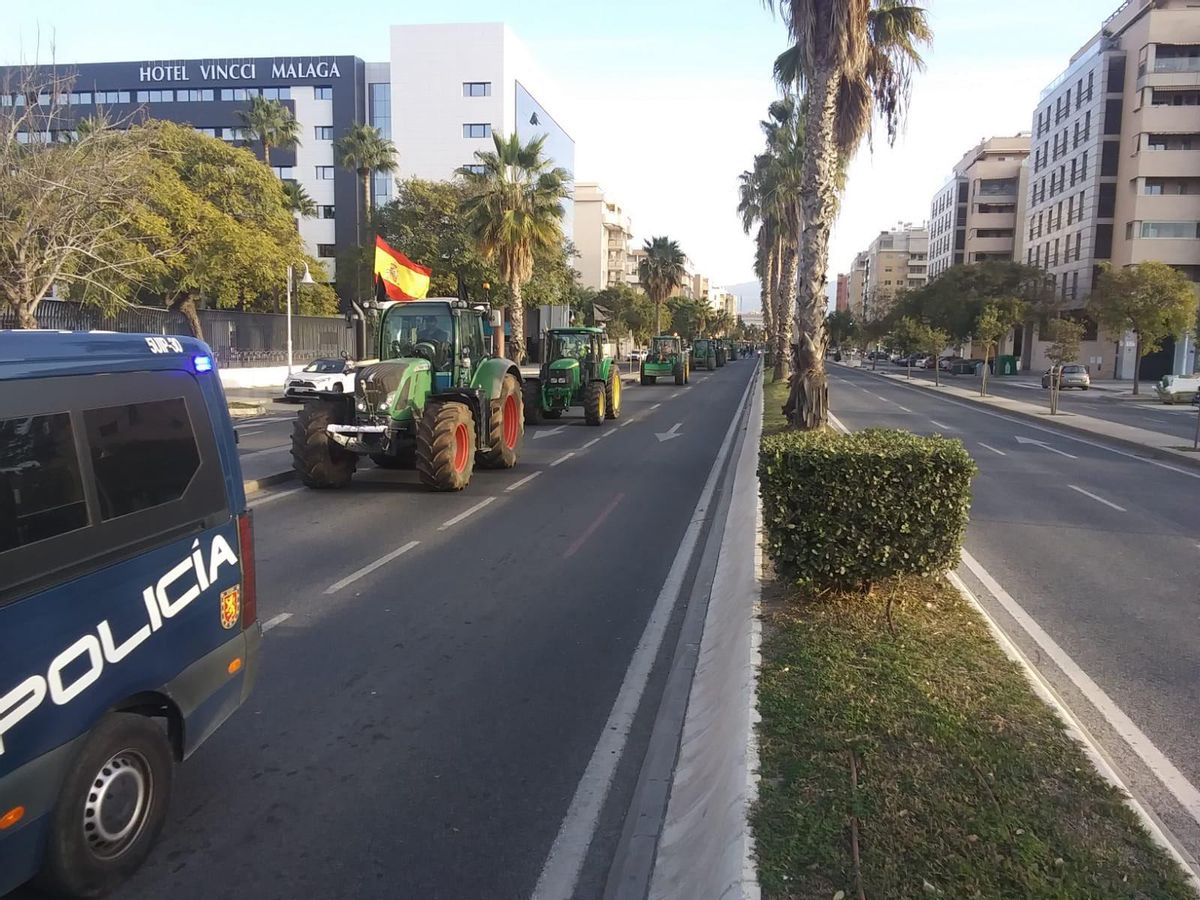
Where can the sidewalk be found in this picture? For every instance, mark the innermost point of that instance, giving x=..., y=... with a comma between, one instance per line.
x=1156, y=444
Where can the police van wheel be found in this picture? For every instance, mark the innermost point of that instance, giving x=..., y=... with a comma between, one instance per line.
x=111, y=808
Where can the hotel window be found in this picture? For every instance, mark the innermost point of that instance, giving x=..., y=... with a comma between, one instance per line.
x=327, y=212
x=324, y=173
x=1083, y=165
x=323, y=92
x=285, y=173
x=277, y=93
x=1078, y=244
x=477, y=89
x=1089, y=87
x=1075, y=276
x=1087, y=124
x=208, y=132
x=323, y=132
x=477, y=130
x=326, y=251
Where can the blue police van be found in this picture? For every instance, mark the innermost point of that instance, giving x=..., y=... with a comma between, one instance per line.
x=128, y=617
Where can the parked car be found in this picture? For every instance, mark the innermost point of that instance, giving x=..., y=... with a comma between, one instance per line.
x=878, y=354
x=915, y=360
x=947, y=362
x=320, y=375
x=965, y=367
x=637, y=355
x=1073, y=376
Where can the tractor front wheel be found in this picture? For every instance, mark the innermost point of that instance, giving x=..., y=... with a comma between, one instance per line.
x=679, y=374
x=317, y=459
x=446, y=446
x=506, y=427
x=613, y=393
x=593, y=403
x=710, y=364
x=531, y=392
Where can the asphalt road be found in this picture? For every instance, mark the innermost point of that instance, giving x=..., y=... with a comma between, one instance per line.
x=1178, y=420
x=1102, y=549
x=439, y=667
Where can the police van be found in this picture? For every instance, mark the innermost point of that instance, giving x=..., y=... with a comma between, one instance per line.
x=128, y=618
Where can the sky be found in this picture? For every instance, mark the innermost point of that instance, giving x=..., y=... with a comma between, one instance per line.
x=663, y=97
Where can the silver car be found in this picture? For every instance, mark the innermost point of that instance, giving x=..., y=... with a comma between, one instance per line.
x=1073, y=376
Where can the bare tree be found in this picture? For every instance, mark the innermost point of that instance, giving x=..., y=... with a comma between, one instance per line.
x=70, y=199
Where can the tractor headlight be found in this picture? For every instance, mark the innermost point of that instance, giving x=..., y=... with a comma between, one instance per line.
x=388, y=401
x=360, y=404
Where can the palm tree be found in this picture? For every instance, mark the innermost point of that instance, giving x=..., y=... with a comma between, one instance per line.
x=271, y=124
x=297, y=201
x=851, y=58
x=661, y=271
x=514, y=207
x=364, y=150
x=753, y=207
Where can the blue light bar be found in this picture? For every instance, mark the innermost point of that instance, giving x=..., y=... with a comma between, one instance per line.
x=202, y=363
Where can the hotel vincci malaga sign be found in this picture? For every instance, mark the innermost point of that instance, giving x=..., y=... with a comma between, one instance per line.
x=233, y=70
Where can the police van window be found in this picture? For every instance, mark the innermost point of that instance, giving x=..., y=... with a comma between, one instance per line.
x=143, y=454
x=41, y=492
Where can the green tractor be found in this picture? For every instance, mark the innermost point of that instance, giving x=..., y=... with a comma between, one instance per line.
x=704, y=354
x=722, y=353
x=575, y=372
x=666, y=359
x=434, y=400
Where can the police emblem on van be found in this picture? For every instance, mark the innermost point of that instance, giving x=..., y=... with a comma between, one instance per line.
x=231, y=607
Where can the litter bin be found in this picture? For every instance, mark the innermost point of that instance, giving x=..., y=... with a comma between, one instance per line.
x=1006, y=365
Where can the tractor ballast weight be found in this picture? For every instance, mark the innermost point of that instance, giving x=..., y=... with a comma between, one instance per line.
x=575, y=371
x=433, y=400
x=666, y=359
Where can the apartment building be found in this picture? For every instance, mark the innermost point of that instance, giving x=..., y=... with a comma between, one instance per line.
x=602, y=239
x=896, y=261
x=842, y=297
x=1115, y=169
x=857, y=286
x=973, y=217
x=724, y=301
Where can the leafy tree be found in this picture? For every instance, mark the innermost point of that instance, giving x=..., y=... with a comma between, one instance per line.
x=297, y=201
x=661, y=271
x=851, y=58
x=71, y=213
x=841, y=327
x=270, y=123
x=995, y=321
x=914, y=334
x=631, y=312
x=364, y=150
x=1151, y=299
x=230, y=236
x=513, y=208
x=689, y=318
x=1064, y=336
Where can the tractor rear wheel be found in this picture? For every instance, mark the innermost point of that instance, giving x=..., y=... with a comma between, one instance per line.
x=317, y=459
x=506, y=427
x=531, y=393
x=612, y=393
x=679, y=374
x=446, y=446
x=710, y=363
x=593, y=403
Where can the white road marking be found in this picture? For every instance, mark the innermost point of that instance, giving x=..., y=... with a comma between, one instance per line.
x=993, y=449
x=275, y=496
x=656, y=406
x=903, y=408
x=562, y=459
x=864, y=390
x=248, y=433
x=368, y=569
x=1076, y=487
x=275, y=620
x=936, y=424
x=261, y=452
x=628, y=422
x=674, y=395
x=670, y=434
x=606, y=434
x=524, y=481
x=1166, y=772
x=877, y=397
x=1043, y=445
x=465, y=514
x=560, y=874
x=541, y=434
x=590, y=443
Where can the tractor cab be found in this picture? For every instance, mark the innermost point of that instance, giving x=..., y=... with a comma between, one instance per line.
x=449, y=337
x=573, y=355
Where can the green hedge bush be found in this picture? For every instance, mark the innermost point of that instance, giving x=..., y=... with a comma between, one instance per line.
x=845, y=511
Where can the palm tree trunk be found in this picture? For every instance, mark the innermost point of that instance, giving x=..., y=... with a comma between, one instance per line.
x=518, y=322
x=266, y=154
x=785, y=300
x=818, y=198
x=657, y=316
x=767, y=293
x=366, y=198
x=185, y=303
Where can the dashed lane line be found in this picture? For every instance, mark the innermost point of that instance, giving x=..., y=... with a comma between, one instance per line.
x=467, y=513
x=562, y=459
x=993, y=449
x=275, y=620
x=371, y=567
x=1097, y=498
x=524, y=481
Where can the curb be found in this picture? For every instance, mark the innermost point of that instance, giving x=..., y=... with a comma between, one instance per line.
x=255, y=485
x=1065, y=424
x=246, y=410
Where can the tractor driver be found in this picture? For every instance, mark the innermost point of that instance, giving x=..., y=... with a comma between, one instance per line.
x=429, y=330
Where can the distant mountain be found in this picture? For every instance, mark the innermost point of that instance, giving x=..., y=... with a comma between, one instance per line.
x=749, y=296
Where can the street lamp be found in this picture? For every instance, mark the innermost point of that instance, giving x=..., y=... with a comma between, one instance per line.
x=307, y=279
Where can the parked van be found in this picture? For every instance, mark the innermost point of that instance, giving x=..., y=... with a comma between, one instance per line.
x=128, y=615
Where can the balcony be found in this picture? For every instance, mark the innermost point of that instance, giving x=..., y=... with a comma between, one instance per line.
x=1168, y=119
x=1166, y=163
x=1172, y=251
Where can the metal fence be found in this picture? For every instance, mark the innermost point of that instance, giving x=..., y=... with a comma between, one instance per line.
x=237, y=338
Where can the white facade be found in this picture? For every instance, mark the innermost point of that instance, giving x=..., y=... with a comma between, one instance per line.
x=602, y=236
x=454, y=85
x=311, y=114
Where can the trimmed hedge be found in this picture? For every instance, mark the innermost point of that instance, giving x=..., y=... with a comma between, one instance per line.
x=844, y=511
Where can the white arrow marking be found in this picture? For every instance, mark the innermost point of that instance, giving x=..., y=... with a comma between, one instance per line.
x=669, y=435
x=1044, y=446
x=541, y=434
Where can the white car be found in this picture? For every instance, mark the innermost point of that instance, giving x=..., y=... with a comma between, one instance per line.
x=330, y=375
x=637, y=355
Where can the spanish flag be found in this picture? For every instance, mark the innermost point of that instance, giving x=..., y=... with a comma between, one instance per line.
x=402, y=278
